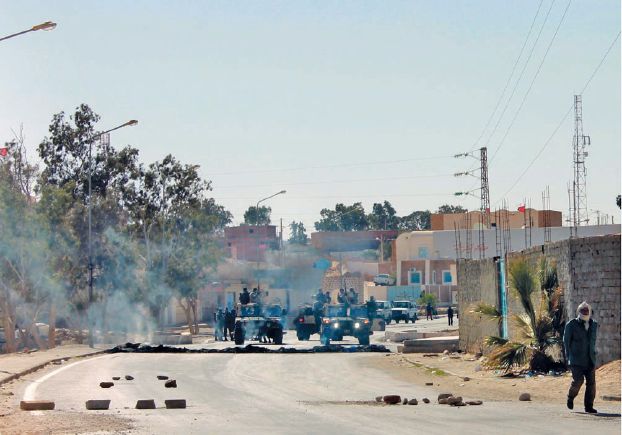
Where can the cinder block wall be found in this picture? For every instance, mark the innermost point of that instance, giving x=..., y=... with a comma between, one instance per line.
x=588, y=269
x=476, y=282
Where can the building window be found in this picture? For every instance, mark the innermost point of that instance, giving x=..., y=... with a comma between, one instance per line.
x=423, y=252
x=446, y=277
x=415, y=277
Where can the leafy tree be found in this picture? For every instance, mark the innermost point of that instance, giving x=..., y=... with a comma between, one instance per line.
x=298, y=233
x=416, y=221
x=383, y=217
x=448, y=209
x=427, y=298
x=343, y=218
x=257, y=216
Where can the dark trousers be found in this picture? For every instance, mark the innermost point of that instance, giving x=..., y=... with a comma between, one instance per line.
x=578, y=373
x=451, y=320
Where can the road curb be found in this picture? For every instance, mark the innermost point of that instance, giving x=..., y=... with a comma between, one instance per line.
x=37, y=367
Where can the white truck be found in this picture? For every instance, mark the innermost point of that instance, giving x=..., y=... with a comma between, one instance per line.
x=404, y=310
x=384, y=279
x=384, y=310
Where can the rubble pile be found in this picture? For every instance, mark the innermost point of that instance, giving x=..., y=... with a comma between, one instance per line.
x=333, y=348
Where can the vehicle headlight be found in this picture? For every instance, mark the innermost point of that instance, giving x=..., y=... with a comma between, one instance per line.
x=336, y=325
x=357, y=325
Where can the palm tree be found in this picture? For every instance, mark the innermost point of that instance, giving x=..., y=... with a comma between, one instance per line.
x=538, y=342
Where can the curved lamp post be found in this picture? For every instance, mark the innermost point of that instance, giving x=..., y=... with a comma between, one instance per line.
x=48, y=25
x=257, y=223
x=90, y=248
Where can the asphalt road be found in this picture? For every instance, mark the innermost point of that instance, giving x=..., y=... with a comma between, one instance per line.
x=289, y=393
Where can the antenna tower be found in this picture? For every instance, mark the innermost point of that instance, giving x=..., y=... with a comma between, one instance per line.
x=579, y=143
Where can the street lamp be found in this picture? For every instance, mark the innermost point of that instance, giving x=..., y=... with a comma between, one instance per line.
x=262, y=200
x=257, y=224
x=48, y=25
x=90, y=247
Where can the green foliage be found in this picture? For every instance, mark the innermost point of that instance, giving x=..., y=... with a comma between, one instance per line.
x=416, y=221
x=257, y=216
x=538, y=334
x=343, y=218
x=448, y=209
x=298, y=234
x=427, y=298
x=488, y=311
x=383, y=217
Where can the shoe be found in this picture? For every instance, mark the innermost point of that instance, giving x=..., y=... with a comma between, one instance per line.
x=569, y=403
x=591, y=410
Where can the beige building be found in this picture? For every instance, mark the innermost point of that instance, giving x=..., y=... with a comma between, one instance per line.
x=516, y=219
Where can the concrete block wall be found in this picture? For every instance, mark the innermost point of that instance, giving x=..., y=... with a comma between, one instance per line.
x=587, y=268
x=476, y=282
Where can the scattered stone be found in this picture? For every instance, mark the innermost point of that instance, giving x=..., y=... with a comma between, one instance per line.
x=378, y=398
x=466, y=379
x=478, y=368
x=175, y=403
x=162, y=377
x=425, y=400
x=442, y=401
x=129, y=378
x=445, y=352
x=474, y=402
x=116, y=378
x=453, y=400
x=459, y=404
x=36, y=405
x=524, y=397
x=392, y=399
x=478, y=355
x=429, y=384
x=455, y=356
x=413, y=402
x=106, y=384
x=444, y=396
x=405, y=401
x=145, y=404
x=57, y=363
x=430, y=354
x=97, y=405
x=171, y=383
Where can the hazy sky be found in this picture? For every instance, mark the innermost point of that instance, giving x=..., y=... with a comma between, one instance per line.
x=333, y=101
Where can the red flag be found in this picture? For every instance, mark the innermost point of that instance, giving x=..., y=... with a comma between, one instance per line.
x=521, y=208
x=4, y=151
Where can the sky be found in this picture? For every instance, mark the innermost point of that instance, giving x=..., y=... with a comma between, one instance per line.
x=332, y=101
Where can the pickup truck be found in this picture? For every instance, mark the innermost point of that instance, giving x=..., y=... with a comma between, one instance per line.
x=384, y=279
x=404, y=310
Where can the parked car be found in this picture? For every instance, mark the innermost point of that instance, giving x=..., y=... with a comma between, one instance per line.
x=384, y=279
x=404, y=310
x=384, y=310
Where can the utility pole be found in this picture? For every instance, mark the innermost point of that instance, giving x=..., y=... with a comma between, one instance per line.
x=579, y=144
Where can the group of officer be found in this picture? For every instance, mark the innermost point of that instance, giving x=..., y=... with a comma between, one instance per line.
x=225, y=323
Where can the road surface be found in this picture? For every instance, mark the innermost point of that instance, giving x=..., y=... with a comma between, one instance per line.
x=290, y=393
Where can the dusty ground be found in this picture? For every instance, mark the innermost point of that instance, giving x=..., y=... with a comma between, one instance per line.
x=447, y=372
x=15, y=421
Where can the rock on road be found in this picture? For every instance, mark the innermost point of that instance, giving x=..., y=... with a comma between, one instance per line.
x=285, y=393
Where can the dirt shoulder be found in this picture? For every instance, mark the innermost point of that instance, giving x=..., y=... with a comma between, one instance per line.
x=15, y=421
x=450, y=373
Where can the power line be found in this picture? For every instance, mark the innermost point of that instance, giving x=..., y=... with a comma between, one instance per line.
x=507, y=83
x=548, y=48
x=349, y=180
x=533, y=47
x=344, y=165
x=546, y=143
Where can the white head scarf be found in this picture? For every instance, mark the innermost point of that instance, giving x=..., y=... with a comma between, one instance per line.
x=584, y=317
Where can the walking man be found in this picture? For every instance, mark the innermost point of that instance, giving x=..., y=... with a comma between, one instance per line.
x=450, y=316
x=580, y=346
x=428, y=311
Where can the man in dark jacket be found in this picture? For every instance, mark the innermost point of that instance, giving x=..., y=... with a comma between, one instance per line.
x=580, y=346
x=450, y=316
x=245, y=297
